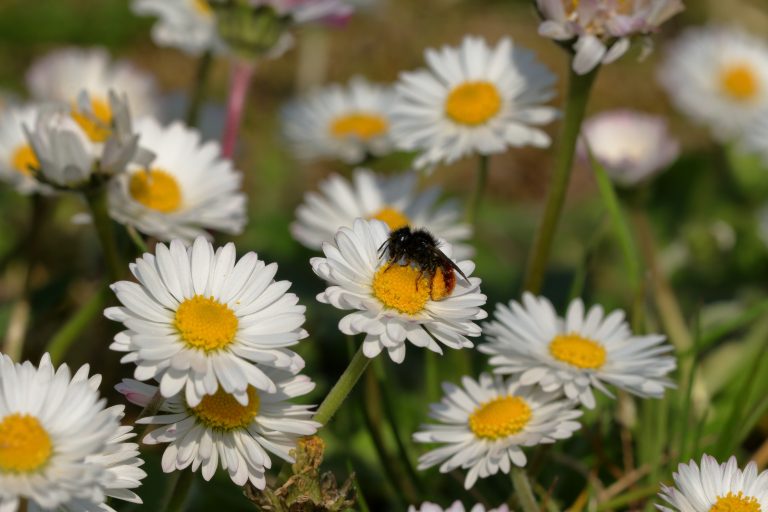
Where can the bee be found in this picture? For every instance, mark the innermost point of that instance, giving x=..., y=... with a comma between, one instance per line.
x=420, y=249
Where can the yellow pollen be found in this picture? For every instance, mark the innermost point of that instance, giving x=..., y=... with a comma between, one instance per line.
x=96, y=124
x=440, y=289
x=24, y=444
x=736, y=503
x=500, y=417
x=361, y=125
x=739, y=82
x=401, y=287
x=155, y=189
x=473, y=103
x=222, y=411
x=577, y=351
x=394, y=218
x=203, y=7
x=206, y=324
x=24, y=160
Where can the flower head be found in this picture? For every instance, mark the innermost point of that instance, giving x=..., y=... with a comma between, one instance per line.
x=393, y=302
x=18, y=162
x=632, y=146
x=456, y=506
x=392, y=199
x=474, y=99
x=716, y=487
x=197, y=321
x=189, y=25
x=484, y=425
x=576, y=353
x=602, y=28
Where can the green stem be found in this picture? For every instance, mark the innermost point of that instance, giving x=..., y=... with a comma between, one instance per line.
x=431, y=375
x=523, y=490
x=579, y=87
x=480, y=186
x=197, y=93
x=69, y=332
x=621, y=502
x=137, y=239
x=732, y=324
x=343, y=386
x=98, y=204
x=178, y=490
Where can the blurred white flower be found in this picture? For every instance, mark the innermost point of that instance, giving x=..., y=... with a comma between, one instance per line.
x=308, y=11
x=17, y=158
x=484, y=425
x=473, y=99
x=716, y=487
x=602, y=28
x=188, y=189
x=189, y=25
x=631, y=145
x=348, y=122
x=719, y=77
x=392, y=199
x=456, y=506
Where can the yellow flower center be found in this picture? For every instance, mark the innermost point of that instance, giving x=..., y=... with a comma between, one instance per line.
x=222, y=411
x=500, y=417
x=393, y=217
x=24, y=444
x=736, y=503
x=24, y=160
x=361, y=125
x=577, y=351
x=206, y=324
x=97, y=124
x=401, y=287
x=740, y=82
x=202, y=7
x=155, y=189
x=473, y=103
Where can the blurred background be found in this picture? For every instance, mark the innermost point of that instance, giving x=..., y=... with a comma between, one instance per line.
x=704, y=212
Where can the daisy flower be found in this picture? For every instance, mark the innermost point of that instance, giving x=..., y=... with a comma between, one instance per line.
x=61, y=75
x=456, y=506
x=221, y=431
x=485, y=424
x=59, y=447
x=473, y=99
x=17, y=159
x=189, y=25
x=716, y=487
x=188, y=189
x=392, y=199
x=197, y=321
x=601, y=29
x=719, y=77
x=396, y=303
x=583, y=350
x=349, y=122
x=631, y=145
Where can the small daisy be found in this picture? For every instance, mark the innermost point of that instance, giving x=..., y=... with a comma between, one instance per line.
x=349, y=122
x=582, y=351
x=485, y=424
x=188, y=189
x=392, y=199
x=718, y=77
x=221, y=431
x=473, y=99
x=61, y=75
x=632, y=146
x=197, y=321
x=396, y=303
x=60, y=449
x=456, y=506
x=189, y=25
x=17, y=159
x=716, y=487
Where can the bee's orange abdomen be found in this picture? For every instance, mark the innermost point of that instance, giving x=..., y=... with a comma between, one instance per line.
x=443, y=283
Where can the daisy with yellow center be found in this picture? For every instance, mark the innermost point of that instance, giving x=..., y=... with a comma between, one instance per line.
x=584, y=350
x=17, y=158
x=199, y=321
x=350, y=122
x=60, y=448
x=474, y=99
x=713, y=487
x=187, y=190
x=392, y=198
x=396, y=303
x=222, y=431
x=484, y=424
x=189, y=25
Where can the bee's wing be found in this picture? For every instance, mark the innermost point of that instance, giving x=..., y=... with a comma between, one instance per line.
x=449, y=262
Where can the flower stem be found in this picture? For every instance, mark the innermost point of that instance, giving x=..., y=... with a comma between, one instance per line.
x=579, y=87
x=97, y=202
x=480, y=186
x=242, y=73
x=178, y=490
x=69, y=332
x=523, y=490
x=342, y=388
x=197, y=92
